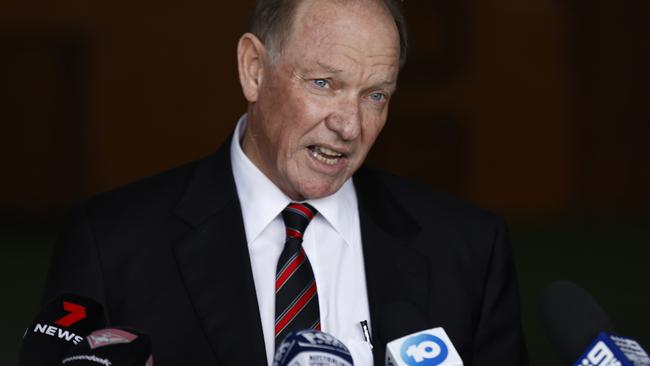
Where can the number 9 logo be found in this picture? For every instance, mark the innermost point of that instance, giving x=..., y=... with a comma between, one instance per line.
x=424, y=350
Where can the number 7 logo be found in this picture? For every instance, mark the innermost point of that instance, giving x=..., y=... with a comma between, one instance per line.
x=76, y=313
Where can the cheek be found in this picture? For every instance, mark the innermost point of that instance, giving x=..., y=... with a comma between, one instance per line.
x=371, y=130
x=301, y=115
x=295, y=121
x=305, y=106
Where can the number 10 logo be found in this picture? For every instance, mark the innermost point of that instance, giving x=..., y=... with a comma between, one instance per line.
x=424, y=350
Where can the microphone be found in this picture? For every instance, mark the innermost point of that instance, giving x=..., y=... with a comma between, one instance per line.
x=63, y=323
x=573, y=322
x=428, y=347
x=425, y=348
x=312, y=348
x=117, y=346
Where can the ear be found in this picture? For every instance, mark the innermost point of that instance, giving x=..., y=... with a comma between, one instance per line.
x=251, y=57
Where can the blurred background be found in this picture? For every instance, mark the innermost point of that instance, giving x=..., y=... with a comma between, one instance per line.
x=535, y=109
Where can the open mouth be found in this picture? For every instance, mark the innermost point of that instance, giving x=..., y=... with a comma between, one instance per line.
x=325, y=155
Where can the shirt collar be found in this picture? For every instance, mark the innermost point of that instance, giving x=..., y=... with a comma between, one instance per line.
x=339, y=210
x=262, y=201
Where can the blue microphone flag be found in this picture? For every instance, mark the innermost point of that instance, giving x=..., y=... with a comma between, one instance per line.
x=612, y=350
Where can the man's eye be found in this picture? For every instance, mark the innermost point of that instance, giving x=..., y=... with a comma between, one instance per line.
x=321, y=83
x=378, y=97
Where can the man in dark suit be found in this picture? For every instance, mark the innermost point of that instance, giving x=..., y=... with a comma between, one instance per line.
x=197, y=257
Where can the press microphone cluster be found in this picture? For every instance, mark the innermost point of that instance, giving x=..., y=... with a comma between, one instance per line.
x=70, y=330
x=582, y=332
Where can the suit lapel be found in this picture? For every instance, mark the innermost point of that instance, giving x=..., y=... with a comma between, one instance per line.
x=395, y=272
x=215, y=266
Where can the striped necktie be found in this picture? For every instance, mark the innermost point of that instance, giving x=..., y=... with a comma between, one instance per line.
x=296, y=299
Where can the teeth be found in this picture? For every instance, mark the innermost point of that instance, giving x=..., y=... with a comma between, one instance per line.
x=325, y=155
x=329, y=152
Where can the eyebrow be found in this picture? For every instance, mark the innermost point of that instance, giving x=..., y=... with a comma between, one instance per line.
x=390, y=83
x=329, y=68
x=386, y=82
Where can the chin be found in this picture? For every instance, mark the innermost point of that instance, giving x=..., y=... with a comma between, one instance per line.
x=319, y=191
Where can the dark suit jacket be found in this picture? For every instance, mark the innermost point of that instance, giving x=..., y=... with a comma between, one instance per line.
x=168, y=255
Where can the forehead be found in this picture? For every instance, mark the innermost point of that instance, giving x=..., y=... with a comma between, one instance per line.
x=357, y=31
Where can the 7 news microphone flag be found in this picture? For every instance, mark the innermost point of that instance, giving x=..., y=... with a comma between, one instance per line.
x=61, y=324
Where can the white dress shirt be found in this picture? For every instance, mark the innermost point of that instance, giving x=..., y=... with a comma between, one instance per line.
x=332, y=242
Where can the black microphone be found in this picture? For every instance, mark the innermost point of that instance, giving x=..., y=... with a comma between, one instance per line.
x=581, y=330
x=63, y=323
x=571, y=318
x=117, y=346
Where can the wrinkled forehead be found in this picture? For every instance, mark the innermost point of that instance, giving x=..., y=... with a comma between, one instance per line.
x=359, y=29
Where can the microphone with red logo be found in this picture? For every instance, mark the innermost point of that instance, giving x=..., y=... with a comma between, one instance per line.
x=116, y=346
x=63, y=323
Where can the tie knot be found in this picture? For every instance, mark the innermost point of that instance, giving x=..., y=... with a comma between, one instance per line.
x=296, y=218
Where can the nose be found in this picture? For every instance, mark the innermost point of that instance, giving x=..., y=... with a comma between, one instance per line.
x=345, y=120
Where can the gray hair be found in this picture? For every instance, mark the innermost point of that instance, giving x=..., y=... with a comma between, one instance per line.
x=272, y=20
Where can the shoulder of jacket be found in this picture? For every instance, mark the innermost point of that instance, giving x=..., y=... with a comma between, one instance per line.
x=421, y=200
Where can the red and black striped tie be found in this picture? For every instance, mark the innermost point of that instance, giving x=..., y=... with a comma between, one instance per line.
x=296, y=299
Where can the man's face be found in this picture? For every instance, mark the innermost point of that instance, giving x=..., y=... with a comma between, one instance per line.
x=322, y=102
